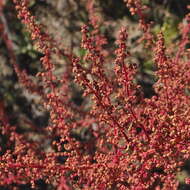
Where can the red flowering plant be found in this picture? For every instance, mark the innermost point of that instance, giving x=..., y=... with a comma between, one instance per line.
x=117, y=139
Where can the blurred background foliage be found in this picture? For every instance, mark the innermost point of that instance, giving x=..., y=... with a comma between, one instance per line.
x=63, y=19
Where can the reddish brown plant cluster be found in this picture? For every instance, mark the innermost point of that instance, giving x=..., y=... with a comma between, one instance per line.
x=116, y=140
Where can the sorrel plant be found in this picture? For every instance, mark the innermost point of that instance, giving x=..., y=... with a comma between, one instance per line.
x=126, y=141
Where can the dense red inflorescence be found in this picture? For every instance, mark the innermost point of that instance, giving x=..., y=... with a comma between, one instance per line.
x=131, y=142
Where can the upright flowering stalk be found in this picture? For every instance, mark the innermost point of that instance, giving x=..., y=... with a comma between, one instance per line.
x=136, y=7
x=55, y=96
x=24, y=79
x=125, y=74
x=96, y=21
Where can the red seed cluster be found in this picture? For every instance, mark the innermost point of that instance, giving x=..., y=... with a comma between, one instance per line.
x=120, y=140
